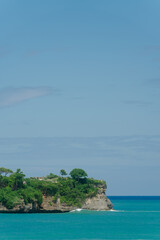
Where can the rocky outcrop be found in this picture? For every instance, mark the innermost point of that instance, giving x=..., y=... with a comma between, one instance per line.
x=100, y=202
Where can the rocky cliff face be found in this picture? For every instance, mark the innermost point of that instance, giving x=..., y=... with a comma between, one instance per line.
x=100, y=202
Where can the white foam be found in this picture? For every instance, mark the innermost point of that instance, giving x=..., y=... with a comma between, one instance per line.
x=76, y=210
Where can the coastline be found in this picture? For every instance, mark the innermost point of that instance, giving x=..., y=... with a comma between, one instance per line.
x=98, y=203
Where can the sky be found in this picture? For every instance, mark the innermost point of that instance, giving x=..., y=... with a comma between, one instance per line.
x=80, y=88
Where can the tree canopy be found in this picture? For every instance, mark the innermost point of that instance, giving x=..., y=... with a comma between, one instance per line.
x=63, y=172
x=5, y=171
x=78, y=173
x=52, y=175
x=16, y=189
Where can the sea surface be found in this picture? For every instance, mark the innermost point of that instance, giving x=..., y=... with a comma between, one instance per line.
x=133, y=218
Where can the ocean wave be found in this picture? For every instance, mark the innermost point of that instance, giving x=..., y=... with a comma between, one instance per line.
x=77, y=210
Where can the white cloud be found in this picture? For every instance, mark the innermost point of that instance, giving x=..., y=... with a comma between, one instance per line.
x=12, y=96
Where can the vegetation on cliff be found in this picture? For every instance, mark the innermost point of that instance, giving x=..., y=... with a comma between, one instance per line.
x=16, y=189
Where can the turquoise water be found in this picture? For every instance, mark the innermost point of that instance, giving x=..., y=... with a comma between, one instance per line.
x=135, y=218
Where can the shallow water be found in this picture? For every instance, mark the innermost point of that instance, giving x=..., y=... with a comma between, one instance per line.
x=134, y=218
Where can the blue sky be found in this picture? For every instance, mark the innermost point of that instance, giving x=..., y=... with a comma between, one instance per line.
x=80, y=87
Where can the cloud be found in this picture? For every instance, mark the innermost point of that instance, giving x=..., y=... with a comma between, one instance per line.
x=151, y=50
x=12, y=96
x=155, y=82
x=137, y=102
x=3, y=52
x=114, y=159
x=34, y=51
x=98, y=150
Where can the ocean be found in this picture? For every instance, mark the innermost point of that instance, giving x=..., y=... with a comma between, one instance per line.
x=134, y=218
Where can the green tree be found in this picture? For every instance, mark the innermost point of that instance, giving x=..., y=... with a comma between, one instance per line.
x=78, y=174
x=63, y=172
x=51, y=175
x=5, y=171
x=17, y=179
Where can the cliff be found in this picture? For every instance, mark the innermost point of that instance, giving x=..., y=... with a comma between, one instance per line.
x=52, y=193
x=99, y=203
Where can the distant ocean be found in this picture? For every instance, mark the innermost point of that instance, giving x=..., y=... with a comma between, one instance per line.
x=135, y=218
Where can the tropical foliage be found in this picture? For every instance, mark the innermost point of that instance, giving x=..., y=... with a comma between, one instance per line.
x=16, y=189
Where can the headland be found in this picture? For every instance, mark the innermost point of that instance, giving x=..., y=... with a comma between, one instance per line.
x=51, y=194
